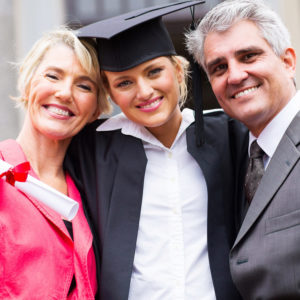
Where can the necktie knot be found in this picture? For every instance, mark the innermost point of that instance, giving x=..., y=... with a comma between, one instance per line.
x=256, y=151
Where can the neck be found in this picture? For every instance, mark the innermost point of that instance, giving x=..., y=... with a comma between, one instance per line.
x=256, y=126
x=45, y=156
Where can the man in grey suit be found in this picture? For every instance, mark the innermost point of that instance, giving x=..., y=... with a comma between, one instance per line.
x=246, y=52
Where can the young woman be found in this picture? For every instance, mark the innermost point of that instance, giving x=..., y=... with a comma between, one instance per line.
x=42, y=257
x=162, y=207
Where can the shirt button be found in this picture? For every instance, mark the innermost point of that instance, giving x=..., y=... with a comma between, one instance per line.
x=175, y=210
x=170, y=154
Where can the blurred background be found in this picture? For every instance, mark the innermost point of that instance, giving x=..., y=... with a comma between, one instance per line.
x=23, y=21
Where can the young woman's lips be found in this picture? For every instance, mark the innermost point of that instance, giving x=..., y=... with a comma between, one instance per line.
x=59, y=111
x=151, y=105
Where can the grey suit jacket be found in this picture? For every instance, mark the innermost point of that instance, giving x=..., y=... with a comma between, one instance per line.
x=265, y=258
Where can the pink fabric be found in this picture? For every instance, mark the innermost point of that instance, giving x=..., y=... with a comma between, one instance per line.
x=37, y=256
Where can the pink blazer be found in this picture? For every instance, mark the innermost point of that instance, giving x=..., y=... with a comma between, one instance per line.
x=37, y=256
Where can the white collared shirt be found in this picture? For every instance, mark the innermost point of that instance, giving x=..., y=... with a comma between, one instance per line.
x=171, y=258
x=272, y=134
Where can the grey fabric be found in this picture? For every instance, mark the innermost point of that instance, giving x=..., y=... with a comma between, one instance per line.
x=265, y=258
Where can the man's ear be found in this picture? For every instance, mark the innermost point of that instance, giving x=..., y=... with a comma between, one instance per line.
x=289, y=60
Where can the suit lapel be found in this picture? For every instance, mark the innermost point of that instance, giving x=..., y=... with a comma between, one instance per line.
x=281, y=164
x=208, y=157
x=123, y=221
x=204, y=155
x=15, y=157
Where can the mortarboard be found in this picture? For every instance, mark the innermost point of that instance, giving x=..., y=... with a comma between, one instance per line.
x=130, y=39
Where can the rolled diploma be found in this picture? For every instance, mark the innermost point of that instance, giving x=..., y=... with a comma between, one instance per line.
x=47, y=195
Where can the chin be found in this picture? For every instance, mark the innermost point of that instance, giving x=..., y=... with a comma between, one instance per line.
x=57, y=136
x=155, y=125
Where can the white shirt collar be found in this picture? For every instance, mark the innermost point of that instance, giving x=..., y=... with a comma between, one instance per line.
x=128, y=127
x=270, y=137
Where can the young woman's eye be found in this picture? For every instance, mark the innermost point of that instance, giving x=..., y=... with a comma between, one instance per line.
x=124, y=83
x=155, y=71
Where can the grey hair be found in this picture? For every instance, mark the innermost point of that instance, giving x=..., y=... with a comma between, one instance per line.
x=229, y=12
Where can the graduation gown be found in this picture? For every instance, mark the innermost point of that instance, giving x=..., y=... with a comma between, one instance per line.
x=108, y=169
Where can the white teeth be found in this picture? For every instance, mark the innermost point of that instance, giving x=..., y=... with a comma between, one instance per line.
x=58, y=111
x=245, y=92
x=151, y=104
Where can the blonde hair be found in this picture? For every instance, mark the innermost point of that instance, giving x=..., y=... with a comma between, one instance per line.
x=184, y=64
x=176, y=60
x=84, y=51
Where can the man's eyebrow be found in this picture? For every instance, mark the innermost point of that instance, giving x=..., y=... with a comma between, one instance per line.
x=248, y=49
x=239, y=52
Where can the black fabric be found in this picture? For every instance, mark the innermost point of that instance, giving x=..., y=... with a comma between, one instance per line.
x=109, y=169
x=197, y=94
x=69, y=227
x=73, y=285
x=198, y=103
x=96, y=244
x=109, y=28
x=128, y=40
x=135, y=46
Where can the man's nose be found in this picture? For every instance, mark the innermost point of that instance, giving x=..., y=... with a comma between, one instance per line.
x=236, y=73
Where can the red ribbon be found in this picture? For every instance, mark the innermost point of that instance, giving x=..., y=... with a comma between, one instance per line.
x=17, y=173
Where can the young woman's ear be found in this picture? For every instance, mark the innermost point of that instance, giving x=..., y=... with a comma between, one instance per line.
x=179, y=70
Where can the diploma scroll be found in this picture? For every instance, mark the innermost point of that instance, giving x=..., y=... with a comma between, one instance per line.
x=47, y=195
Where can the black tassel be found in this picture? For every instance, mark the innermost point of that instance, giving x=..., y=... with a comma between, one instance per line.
x=198, y=104
x=197, y=94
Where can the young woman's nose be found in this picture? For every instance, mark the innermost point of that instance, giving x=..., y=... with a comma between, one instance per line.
x=144, y=89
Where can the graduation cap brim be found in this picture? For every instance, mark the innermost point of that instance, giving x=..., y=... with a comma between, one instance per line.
x=108, y=28
x=130, y=39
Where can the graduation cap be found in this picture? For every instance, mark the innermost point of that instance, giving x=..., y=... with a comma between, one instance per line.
x=130, y=39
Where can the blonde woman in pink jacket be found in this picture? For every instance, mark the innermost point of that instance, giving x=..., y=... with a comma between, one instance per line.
x=43, y=256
